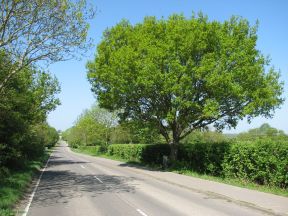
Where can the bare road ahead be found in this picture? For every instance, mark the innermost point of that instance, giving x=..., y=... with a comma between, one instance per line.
x=76, y=184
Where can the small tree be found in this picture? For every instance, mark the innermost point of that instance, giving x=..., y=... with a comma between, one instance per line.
x=184, y=74
x=44, y=30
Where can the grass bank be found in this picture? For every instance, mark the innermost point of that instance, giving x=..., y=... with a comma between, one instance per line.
x=14, y=184
x=180, y=170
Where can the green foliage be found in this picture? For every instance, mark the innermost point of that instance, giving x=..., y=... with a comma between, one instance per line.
x=137, y=132
x=98, y=126
x=39, y=137
x=204, y=157
x=28, y=38
x=204, y=137
x=13, y=184
x=121, y=135
x=144, y=153
x=183, y=74
x=263, y=162
x=153, y=154
x=265, y=131
x=92, y=150
x=93, y=127
x=28, y=98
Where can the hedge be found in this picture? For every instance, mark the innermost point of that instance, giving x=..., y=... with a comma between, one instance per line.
x=204, y=157
x=94, y=150
x=150, y=154
x=263, y=162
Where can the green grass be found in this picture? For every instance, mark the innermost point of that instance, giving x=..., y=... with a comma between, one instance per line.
x=14, y=184
x=229, y=181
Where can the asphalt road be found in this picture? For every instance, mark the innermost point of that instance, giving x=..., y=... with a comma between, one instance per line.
x=76, y=184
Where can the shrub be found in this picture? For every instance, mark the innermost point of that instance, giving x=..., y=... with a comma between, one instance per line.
x=146, y=153
x=94, y=150
x=263, y=162
x=204, y=157
x=153, y=154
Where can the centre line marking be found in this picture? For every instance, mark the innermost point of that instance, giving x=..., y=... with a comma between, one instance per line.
x=141, y=212
x=82, y=166
x=98, y=179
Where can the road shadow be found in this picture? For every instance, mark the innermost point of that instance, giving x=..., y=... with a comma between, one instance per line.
x=58, y=187
x=59, y=162
x=143, y=167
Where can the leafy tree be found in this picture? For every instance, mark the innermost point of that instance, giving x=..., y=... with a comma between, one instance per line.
x=184, y=74
x=141, y=132
x=264, y=131
x=121, y=135
x=28, y=98
x=198, y=136
x=105, y=118
x=33, y=31
x=93, y=126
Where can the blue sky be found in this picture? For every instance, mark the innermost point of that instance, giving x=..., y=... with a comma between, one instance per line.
x=272, y=40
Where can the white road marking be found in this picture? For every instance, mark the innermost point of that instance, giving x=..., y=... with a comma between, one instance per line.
x=82, y=166
x=141, y=212
x=98, y=179
x=35, y=189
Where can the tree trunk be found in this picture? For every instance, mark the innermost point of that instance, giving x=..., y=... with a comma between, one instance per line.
x=174, y=150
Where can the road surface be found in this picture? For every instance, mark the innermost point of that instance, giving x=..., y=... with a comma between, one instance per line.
x=79, y=185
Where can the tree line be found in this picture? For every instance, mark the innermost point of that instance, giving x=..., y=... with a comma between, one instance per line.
x=98, y=126
x=28, y=98
x=33, y=35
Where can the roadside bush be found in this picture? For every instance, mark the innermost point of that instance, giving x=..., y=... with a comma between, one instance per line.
x=263, y=162
x=153, y=154
x=94, y=150
x=204, y=157
x=131, y=152
x=146, y=153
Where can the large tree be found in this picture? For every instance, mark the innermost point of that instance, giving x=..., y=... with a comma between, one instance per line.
x=41, y=30
x=24, y=107
x=184, y=74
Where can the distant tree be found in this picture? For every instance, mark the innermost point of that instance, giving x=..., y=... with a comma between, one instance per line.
x=107, y=119
x=204, y=137
x=264, y=131
x=121, y=135
x=45, y=30
x=184, y=74
x=93, y=126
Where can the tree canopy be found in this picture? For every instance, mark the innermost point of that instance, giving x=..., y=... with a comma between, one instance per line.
x=184, y=74
x=24, y=107
x=45, y=30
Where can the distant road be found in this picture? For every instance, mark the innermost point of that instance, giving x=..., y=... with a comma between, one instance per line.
x=74, y=184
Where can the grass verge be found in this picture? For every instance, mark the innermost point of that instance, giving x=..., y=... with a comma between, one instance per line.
x=14, y=184
x=235, y=182
x=229, y=181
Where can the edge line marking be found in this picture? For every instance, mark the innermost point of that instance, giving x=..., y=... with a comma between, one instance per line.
x=35, y=188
